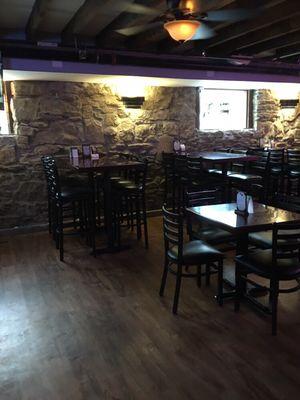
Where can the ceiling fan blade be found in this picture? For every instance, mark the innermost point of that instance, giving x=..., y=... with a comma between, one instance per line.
x=134, y=30
x=135, y=8
x=237, y=14
x=203, y=32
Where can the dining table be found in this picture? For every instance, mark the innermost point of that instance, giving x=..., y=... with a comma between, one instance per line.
x=224, y=216
x=223, y=159
x=107, y=167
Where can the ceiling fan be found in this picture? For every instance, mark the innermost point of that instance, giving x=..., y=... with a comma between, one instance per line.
x=184, y=20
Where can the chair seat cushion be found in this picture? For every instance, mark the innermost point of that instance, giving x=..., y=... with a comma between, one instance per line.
x=245, y=177
x=294, y=173
x=276, y=170
x=215, y=171
x=195, y=252
x=212, y=235
x=76, y=192
x=260, y=262
x=262, y=240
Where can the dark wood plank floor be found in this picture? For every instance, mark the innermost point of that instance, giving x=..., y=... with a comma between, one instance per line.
x=97, y=329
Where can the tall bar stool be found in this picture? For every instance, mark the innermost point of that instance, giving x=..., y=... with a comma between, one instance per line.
x=180, y=256
x=63, y=199
x=130, y=196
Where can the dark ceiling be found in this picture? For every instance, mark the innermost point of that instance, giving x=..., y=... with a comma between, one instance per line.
x=82, y=29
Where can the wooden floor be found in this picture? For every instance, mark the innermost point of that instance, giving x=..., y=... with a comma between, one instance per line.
x=97, y=329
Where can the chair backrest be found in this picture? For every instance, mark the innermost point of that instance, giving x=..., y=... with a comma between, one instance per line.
x=276, y=158
x=180, y=165
x=287, y=202
x=52, y=176
x=203, y=198
x=139, y=174
x=173, y=231
x=195, y=169
x=286, y=242
x=293, y=158
x=263, y=159
x=168, y=165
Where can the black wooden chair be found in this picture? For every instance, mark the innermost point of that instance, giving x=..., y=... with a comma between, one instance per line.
x=209, y=234
x=256, y=174
x=263, y=240
x=293, y=171
x=275, y=179
x=180, y=178
x=169, y=184
x=280, y=263
x=79, y=200
x=180, y=256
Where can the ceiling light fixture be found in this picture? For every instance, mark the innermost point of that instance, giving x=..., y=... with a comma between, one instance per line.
x=182, y=30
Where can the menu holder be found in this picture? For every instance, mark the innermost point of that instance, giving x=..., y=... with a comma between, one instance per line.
x=86, y=151
x=74, y=152
x=242, y=204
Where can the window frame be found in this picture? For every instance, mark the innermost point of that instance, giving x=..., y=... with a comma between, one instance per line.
x=249, y=109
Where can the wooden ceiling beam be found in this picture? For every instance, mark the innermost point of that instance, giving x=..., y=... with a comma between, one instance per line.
x=289, y=51
x=269, y=16
x=38, y=13
x=109, y=35
x=274, y=44
x=92, y=17
x=239, y=45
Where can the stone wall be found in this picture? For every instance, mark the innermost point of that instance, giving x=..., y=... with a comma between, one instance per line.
x=277, y=129
x=49, y=117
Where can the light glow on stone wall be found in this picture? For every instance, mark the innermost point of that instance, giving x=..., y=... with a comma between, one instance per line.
x=128, y=86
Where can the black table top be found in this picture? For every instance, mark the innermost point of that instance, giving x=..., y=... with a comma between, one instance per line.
x=220, y=157
x=263, y=218
x=104, y=163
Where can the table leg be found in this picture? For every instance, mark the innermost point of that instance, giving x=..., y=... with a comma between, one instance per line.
x=111, y=247
x=224, y=176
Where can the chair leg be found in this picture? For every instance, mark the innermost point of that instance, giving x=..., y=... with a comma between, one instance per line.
x=274, y=287
x=220, y=282
x=61, y=233
x=207, y=275
x=145, y=223
x=164, y=278
x=177, y=288
x=199, y=276
x=138, y=218
x=49, y=215
x=238, y=288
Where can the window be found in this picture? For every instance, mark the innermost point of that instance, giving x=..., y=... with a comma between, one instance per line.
x=224, y=109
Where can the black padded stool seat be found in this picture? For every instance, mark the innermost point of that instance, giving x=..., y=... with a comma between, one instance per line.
x=192, y=253
x=75, y=192
x=245, y=177
x=212, y=235
x=260, y=262
x=263, y=240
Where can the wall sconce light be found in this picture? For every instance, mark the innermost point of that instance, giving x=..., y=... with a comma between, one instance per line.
x=133, y=102
x=289, y=103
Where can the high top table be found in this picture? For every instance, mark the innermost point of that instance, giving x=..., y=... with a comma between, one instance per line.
x=106, y=166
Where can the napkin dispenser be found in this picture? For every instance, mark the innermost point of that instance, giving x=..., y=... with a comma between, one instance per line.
x=244, y=204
